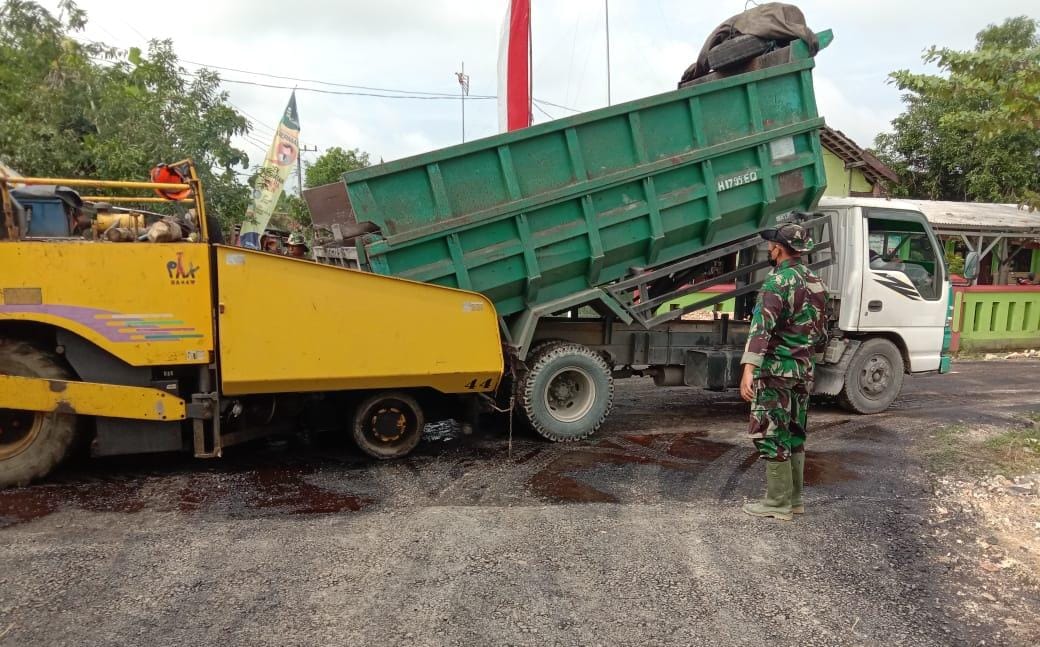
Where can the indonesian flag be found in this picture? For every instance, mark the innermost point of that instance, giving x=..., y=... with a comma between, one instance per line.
x=514, y=67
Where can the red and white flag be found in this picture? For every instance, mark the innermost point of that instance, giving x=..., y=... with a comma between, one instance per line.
x=514, y=67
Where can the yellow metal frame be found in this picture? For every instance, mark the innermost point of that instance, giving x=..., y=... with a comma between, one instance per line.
x=193, y=183
x=90, y=398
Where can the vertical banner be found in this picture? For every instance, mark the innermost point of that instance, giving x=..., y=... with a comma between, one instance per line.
x=514, y=67
x=284, y=151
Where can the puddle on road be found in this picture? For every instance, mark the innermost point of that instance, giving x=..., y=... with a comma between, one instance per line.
x=260, y=492
x=641, y=467
x=694, y=448
x=27, y=504
x=288, y=491
x=570, y=478
x=567, y=478
x=828, y=468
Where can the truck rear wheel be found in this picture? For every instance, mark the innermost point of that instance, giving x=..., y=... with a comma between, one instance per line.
x=566, y=392
x=874, y=377
x=388, y=424
x=32, y=443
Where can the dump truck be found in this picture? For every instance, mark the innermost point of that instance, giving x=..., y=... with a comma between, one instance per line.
x=525, y=271
x=587, y=233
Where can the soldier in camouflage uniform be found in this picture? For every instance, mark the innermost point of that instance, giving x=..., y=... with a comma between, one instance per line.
x=788, y=327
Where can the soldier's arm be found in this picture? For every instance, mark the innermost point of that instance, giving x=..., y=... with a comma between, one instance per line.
x=819, y=333
x=763, y=322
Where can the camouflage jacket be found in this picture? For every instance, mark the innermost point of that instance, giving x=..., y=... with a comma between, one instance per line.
x=789, y=324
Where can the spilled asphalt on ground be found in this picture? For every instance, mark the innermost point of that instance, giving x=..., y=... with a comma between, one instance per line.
x=634, y=537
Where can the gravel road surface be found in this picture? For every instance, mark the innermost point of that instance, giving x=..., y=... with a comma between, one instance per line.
x=634, y=537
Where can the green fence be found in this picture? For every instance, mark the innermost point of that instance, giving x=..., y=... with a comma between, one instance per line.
x=996, y=317
x=697, y=297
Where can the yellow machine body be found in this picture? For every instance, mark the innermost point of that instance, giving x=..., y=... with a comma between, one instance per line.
x=290, y=325
x=149, y=304
x=285, y=325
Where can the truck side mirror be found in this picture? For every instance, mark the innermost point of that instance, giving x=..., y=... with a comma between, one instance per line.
x=971, y=266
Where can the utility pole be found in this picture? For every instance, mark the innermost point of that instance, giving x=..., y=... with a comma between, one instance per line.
x=464, y=89
x=606, y=17
x=299, y=165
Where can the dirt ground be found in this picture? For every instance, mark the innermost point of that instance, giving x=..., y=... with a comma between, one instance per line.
x=634, y=537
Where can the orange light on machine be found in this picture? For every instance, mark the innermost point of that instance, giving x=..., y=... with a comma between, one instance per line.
x=164, y=174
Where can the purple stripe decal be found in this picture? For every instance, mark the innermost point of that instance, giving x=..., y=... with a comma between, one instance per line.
x=92, y=318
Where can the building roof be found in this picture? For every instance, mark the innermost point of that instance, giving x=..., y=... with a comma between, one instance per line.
x=959, y=217
x=849, y=152
x=978, y=216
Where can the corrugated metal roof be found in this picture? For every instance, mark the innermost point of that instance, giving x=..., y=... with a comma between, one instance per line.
x=957, y=216
x=978, y=216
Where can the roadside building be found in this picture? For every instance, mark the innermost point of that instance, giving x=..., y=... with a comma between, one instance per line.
x=851, y=170
x=995, y=313
x=1006, y=237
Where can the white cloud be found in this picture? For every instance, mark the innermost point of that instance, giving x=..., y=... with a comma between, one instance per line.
x=419, y=44
x=860, y=122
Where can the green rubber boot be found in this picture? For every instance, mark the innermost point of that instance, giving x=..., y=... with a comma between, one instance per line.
x=777, y=503
x=797, y=478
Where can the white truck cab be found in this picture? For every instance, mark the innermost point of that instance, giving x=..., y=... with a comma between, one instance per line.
x=890, y=292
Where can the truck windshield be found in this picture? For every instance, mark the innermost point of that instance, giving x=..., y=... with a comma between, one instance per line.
x=899, y=242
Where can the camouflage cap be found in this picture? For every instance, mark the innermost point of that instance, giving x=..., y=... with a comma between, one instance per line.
x=296, y=238
x=792, y=235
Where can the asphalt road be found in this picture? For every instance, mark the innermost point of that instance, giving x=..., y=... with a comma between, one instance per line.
x=632, y=538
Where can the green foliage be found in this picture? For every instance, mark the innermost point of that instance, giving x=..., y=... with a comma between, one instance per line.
x=973, y=133
x=80, y=109
x=327, y=169
x=332, y=164
x=954, y=263
x=295, y=209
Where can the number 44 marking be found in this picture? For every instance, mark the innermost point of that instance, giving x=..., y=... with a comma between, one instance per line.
x=485, y=385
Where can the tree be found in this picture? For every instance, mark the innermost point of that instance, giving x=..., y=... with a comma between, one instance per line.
x=327, y=169
x=972, y=134
x=81, y=109
x=332, y=164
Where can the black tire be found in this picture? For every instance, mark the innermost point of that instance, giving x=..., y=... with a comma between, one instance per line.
x=566, y=392
x=32, y=443
x=740, y=49
x=388, y=424
x=874, y=378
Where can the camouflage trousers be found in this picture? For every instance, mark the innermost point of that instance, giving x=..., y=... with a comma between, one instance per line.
x=779, y=414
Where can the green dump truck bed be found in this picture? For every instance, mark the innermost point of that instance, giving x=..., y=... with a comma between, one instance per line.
x=532, y=216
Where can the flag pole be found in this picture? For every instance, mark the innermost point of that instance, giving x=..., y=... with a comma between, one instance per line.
x=462, y=89
x=606, y=17
x=530, y=69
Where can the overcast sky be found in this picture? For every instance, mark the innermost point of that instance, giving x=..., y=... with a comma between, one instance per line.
x=418, y=45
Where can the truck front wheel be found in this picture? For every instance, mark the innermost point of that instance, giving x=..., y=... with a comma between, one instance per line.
x=566, y=392
x=874, y=377
x=32, y=443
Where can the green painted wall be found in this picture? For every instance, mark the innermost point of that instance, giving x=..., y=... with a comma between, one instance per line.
x=838, y=178
x=697, y=297
x=997, y=320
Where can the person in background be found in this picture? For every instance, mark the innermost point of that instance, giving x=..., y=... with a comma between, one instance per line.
x=271, y=244
x=297, y=245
